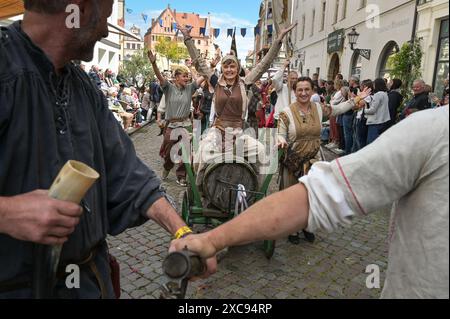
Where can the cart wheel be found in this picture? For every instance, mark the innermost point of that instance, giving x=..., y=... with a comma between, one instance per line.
x=185, y=208
x=269, y=248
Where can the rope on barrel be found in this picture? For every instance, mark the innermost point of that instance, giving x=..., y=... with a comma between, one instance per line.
x=241, y=200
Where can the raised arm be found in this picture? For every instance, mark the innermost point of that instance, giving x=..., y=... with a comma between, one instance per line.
x=197, y=60
x=264, y=65
x=152, y=58
x=277, y=79
x=353, y=103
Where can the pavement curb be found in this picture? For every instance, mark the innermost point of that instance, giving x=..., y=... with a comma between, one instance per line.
x=134, y=130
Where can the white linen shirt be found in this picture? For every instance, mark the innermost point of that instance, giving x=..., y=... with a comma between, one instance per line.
x=408, y=166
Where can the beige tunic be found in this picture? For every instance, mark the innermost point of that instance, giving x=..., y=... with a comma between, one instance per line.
x=302, y=133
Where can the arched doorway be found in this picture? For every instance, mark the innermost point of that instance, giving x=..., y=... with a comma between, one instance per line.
x=356, y=65
x=384, y=69
x=334, y=68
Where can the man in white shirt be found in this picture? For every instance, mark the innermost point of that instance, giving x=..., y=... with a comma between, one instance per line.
x=283, y=89
x=408, y=166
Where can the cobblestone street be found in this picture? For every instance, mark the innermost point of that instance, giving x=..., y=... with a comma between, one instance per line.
x=333, y=267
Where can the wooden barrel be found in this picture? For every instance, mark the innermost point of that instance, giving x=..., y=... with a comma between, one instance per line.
x=220, y=178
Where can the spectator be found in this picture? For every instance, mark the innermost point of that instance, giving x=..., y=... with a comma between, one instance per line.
x=354, y=85
x=329, y=88
x=101, y=75
x=361, y=129
x=446, y=89
x=145, y=106
x=395, y=100
x=445, y=100
x=420, y=100
x=115, y=106
x=94, y=75
x=347, y=122
x=156, y=94
x=128, y=99
x=335, y=127
x=315, y=79
x=108, y=78
x=377, y=111
x=322, y=88
x=315, y=98
x=283, y=89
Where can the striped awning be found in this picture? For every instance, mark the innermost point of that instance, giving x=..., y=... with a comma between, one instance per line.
x=10, y=8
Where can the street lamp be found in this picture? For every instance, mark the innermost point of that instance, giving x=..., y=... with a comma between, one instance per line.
x=352, y=40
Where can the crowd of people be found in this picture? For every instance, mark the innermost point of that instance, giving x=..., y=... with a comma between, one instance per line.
x=350, y=132
x=131, y=106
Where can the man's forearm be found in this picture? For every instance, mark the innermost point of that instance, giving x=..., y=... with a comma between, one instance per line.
x=264, y=65
x=276, y=217
x=166, y=216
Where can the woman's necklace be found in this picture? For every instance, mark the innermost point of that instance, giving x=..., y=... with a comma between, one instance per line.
x=304, y=112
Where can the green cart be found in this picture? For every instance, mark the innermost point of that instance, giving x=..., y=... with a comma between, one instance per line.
x=227, y=190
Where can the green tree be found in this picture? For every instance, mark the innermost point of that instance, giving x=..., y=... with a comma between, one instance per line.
x=406, y=65
x=171, y=50
x=138, y=71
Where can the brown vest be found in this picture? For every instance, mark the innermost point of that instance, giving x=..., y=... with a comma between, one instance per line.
x=228, y=107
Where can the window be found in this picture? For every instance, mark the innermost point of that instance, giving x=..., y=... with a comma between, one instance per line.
x=133, y=46
x=344, y=10
x=385, y=69
x=442, y=60
x=324, y=11
x=356, y=66
x=313, y=21
x=307, y=72
x=336, y=12
x=199, y=42
x=128, y=46
x=303, y=28
x=362, y=4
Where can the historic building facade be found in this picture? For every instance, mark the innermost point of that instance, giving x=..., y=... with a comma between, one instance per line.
x=432, y=28
x=131, y=46
x=165, y=26
x=321, y=37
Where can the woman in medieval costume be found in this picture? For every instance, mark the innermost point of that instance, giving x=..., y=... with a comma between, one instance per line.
x=230, y=107
x=299, y=131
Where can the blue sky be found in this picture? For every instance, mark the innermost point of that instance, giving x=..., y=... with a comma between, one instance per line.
x=224, y=14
